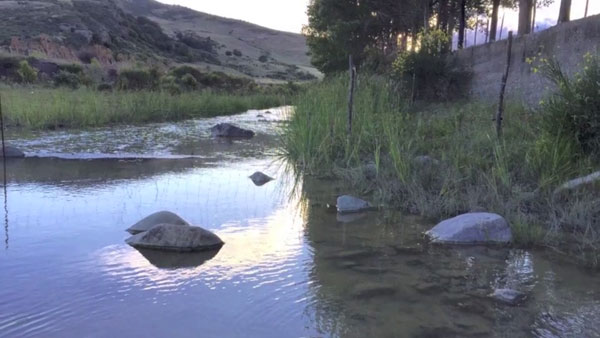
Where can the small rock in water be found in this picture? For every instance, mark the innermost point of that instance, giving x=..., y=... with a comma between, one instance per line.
x=508, y=296
x=368, y=290
x=350, y=204
x=429, y=288
x=230, y=130
x=260, y=179
x=472, y=228
x=260, y=116
x=12, y=152
x=161, y=217
x=268, y=112
x=349, y=254
x=170, y=237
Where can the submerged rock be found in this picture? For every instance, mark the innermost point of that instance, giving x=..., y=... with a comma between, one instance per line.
x=349, y=218
x=585, y=182
x=230, y=130
x=12, y=152
x=171, y=237
x=260, y=179
x=368, y=290
x=472, y=228
x=350, y=204
x=161, y=217
x=508, y=296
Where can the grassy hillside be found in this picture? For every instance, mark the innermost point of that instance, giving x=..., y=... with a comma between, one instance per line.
x=142, y=32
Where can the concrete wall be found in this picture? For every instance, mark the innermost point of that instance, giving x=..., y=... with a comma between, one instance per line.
x=567, y=43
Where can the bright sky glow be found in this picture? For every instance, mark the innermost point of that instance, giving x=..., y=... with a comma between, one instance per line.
x=290, y=15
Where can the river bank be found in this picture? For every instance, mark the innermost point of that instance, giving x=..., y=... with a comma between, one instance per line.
x=42, y=108
x=441, y=160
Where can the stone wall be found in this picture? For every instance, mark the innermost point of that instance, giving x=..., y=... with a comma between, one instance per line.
x=567, y=43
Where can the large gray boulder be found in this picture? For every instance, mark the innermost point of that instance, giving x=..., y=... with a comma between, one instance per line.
x=12, y=152
x=472, y=228
x=230, y=130
x=171, y=237
x=260, y=179
x=161, y=217
x=349, y=204
x=586, y=182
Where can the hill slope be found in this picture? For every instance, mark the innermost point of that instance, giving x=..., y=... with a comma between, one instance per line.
x=145, y=31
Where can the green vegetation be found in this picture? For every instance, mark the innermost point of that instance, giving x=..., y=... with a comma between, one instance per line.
x=445, y=159
x=63, y=108
x=27, y=73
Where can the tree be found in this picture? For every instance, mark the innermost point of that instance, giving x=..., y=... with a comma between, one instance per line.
x=336, y=29
x=463, y=24
x=494, y=23
x=525, y=12
x=564, y=14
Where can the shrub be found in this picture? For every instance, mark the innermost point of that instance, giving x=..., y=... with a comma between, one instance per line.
x=169, y=84
x=189, y=82
x=228, y=53
x=67, y=79
x=138, y=79
x=27, y=73
x=104, y=87
x=573, y=111
x=263, y=58
x=428, y=73
x=237, y=52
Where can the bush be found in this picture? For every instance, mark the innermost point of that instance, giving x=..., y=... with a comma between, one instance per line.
x=67, y=79
x=573, y=111
x=228, y=53
x=428, y=73
x=137, y=79
x=27, y=73
x=169, y=84
x=104, y=87
x=237, y=52
x=263, y=58
x=189, y=82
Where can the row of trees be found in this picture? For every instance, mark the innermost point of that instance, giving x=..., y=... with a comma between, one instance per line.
x=338, y=28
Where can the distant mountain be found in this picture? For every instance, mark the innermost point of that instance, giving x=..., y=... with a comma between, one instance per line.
x=130, y=32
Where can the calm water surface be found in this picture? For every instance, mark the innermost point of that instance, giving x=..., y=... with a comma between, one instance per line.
x=289, y=267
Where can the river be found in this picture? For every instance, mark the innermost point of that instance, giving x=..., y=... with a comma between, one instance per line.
x=289, y=268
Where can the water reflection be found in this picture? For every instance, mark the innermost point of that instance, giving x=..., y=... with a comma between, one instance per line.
x=177, y=260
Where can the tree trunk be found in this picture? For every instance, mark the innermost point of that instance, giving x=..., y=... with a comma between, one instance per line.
x=564, y=14
x=443, y=16
x=587, y=6
x=534, y=16
x=525, y=7
x=494, y=26
x=463, y=24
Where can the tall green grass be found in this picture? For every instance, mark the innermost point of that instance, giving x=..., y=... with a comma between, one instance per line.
x=468, y=168
x=64, y=108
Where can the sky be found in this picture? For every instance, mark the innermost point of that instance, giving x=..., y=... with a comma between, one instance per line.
x=290, y=15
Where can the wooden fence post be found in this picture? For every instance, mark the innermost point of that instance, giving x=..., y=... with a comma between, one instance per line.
x=500, y=112
x=351, y=94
